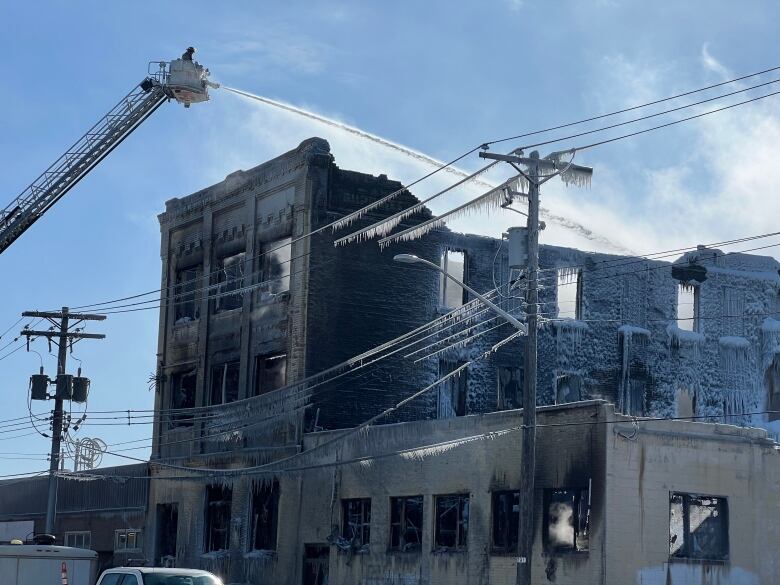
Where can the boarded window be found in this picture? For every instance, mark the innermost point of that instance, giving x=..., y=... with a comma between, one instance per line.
x=230, y=283
x=356, y=525
x=218, y=502
x=688, y=307
x=451, y=295
x=276, y=266
x=698, y=527
x=265, y=515
x=224, y=383
x=182, y=397
x=452, y=392
x=270, y=372
x=569, y=293
x=567, y=519
x=568, y=388
x=81, y=539
x=510, y=387
x=506, y=519
x=128, y=539
x=185, y=299
x=452, y=521
x=406, y=523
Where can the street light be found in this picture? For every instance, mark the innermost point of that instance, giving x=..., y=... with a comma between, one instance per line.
x=412, y=259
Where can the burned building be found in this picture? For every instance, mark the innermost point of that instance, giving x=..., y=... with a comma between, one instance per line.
x=271, y=339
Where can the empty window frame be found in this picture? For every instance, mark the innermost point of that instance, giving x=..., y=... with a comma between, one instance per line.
x=230, y=283
x=270, y=373
x=688, y=307
x=79, y=539
x=451, y=295
x=219, y=499
x=698, y=527
x=772, y=384
x=406, y=523
x=510, y=387
x=733, y=311
x=224, y=383
x=568, y=388
x=567, y=519
x=452, y=392
x=265, y=515
x=128, y=539
x=185, y=299
x=506, y=519
x=569, y=293
x=356, y=522
x=182, y=397
x=452, y=522
x=276, y=266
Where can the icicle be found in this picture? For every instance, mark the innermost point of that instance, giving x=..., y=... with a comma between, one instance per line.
x=493, y=199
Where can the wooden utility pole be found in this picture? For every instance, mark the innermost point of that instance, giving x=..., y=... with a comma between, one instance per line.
x=538, y=172
x=63, y=338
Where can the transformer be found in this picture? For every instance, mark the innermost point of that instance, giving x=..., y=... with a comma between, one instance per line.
x=80, y=389
x=39, y=386
x=517, y=240
x=65, y=386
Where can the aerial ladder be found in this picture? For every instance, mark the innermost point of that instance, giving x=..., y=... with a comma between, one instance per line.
x=183, y=80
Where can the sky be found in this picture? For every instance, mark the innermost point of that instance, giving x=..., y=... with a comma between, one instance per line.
x=438, y=77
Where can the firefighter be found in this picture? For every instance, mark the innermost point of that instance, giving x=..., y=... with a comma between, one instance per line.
x=187, y=56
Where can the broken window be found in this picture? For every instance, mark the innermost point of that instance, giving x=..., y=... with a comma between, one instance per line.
x=224, y=383
x=506, y=520
x=316, y=562
x=567, y=519
x=127, y=539
x=185, y=298
x=79, y=539
x=772, y=384
x=698, y=527
x=510, y=387
x=452, y=392
x=218, y=502
x=733, y=311
x=356, y=525
x=276, y=266
x=451, y=295
x=166, y=534
x=230, y=282
x=569, y=293
x=688, y=307
x=452, y=521
x=265, y=515
x=568, y=388
x=270, y=373
x=182, y=397
x=406, y=523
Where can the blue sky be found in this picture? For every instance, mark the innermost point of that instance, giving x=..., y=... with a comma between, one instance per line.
x=439, y=77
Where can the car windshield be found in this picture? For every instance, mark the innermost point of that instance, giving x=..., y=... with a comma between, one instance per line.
x=164, y=578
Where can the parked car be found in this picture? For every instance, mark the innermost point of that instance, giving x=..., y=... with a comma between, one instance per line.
x=157, y=576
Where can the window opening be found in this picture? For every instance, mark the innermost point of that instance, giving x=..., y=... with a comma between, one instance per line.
x=452, y=521
x=224, y=383
x=356, y=526
x=451, y=295
x=506, y=519
x=276, y=267
x=567, y=519
x=182, y=397
x=772, y=384
x=688, y=307
x=406, y=523
x=127, y=539
x=78, y=539
x=265, y=515
x=733, y=311
x=185, y=300
x=218, y=502
x=166, y=534
x=568, y=388
x=452, y=392
x=569, y=293
x=316, y=562
x=270, y=373
x=698, y=527
x=510, y=387
x=230, y=282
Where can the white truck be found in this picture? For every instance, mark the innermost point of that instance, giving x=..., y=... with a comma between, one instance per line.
x=36, y=564
x=157, y=576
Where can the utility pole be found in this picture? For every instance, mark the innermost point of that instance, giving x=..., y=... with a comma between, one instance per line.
x=538, y=172
x=63, y=339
